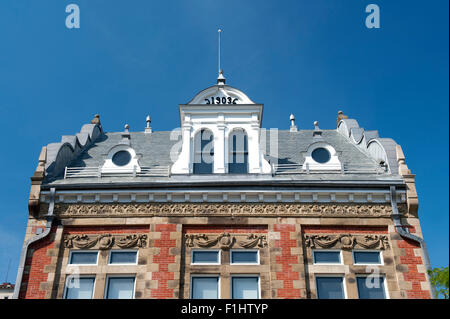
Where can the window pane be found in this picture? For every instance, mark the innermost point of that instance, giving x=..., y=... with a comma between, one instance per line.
x=83, y=257
x=121, y=158
x=367, y=257
x=79, y=288
x=205, y=287
x=205, y=257
x=330, y=288
x=321, y=155
x=123, y=257
x=120, y=288
x=327, y=257
x=244, y=257
x=372, y=288
x=245, y=288
x=203, y=152
x=238, y=153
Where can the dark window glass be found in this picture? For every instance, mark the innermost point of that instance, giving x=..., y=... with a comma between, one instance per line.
x=238, y=152
x=244, y=257
x=367, y=257
x=327, y=257
x=203, y=152
x=330, y=288
x=83, y=257
x=321, y=155
x=121, y=158
x=123, y=257
x=205, y=257
x=371, y=288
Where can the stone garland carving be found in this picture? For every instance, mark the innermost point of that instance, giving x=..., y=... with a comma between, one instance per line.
x=225, y=240
x=347, y=241
x=191, y=209
x=105, y=241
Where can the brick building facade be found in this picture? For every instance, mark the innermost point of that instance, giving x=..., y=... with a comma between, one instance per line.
x=223, y=209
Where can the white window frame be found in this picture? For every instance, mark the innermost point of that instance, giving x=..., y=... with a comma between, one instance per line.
x=247, y=251
x=191, y=288
x=344, y=283
x=80, y=276
x=383, y=276
x=341, y=260
x=368, y=251
x=119, y=276
x=81, y=251
x=245, y=275
x=219, y=252
x=125, y=251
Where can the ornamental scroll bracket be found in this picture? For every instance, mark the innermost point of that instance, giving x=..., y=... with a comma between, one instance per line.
x=105, y=241
x=347, y=241
x=225, y=241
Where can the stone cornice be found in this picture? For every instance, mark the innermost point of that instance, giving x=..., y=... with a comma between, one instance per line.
x=218, y=209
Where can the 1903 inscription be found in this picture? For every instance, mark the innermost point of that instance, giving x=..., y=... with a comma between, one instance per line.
x=221, y=100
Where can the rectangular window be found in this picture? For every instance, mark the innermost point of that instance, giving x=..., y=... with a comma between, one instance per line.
x=330, y=287
x=327, y=257
x=245, y=287
x=205, y=287
x=120, y=288
x=83, y=257
x=244, y=257
x=79, y=288
x=202, y=257
x=367, y=257
x=371, y=287
x=122, y=257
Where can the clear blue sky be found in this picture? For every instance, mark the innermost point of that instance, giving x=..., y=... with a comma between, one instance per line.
x=310, y=58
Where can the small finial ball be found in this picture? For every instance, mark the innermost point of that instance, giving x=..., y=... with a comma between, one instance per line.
x=316, y=123
x=292, y=117
x=127, y=126
x=340, y=112
x=97, y=115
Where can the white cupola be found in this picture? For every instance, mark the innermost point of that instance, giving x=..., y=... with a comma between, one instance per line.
x=221, y=126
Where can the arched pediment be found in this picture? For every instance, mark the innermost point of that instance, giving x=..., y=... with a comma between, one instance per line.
x=222, y=95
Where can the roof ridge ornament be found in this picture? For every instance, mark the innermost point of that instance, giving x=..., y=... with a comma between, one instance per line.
x=317, y=133
x=220, y=79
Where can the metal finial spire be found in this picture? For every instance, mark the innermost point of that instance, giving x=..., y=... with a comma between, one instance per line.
x=219, y=31
x=220, y=78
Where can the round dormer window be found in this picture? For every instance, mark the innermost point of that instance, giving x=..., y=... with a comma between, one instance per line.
x=321, y=155
x=121, y=158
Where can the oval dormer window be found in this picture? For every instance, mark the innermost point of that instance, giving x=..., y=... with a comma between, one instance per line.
x=321, y=155
x=121, y=158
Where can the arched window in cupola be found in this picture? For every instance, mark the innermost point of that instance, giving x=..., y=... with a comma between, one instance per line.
x=203, y=152
x=238, y=152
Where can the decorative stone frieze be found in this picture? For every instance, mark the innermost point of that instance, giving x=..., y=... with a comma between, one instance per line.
x=216, y=209
x=347, y=241
x=105, y=241
x=225, y=240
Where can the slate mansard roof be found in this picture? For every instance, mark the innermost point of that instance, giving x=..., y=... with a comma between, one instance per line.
x=362, y=152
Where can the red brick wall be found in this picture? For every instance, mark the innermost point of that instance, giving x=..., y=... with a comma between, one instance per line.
x=34, y=274
x=412, y=261
x=286, y=259
x=123, y=229
x=163, y=259
x=225, y=229
x=317, y=229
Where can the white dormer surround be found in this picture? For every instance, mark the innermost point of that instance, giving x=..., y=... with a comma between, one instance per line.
x=221, y=109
